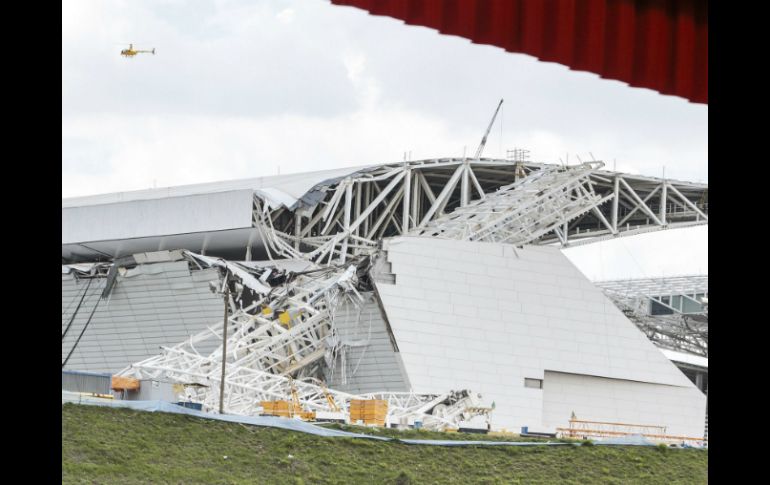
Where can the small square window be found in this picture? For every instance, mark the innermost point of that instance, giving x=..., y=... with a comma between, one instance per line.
x=533, y=383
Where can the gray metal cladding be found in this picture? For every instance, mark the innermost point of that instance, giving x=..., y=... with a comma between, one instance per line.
x=86, y=382
x=370, y=362
x=162, y=304
x=150, y=306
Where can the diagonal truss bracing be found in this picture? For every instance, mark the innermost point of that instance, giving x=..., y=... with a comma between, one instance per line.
x=348, y=216
x=274, y=345
x=522, y=212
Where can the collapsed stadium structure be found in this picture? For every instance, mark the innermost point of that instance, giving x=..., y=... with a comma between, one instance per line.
x=427, y=283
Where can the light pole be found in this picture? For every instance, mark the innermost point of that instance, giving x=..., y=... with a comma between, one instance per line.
x=226, y=295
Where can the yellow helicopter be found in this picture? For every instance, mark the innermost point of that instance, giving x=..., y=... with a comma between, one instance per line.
x=131, y=52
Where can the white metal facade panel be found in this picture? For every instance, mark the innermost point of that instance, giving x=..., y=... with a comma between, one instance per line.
x=681, y=409
x=294, y=184
x=163, y=306
x=157, y=217
x=486, y=316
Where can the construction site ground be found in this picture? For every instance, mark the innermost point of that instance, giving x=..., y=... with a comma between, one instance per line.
x=105, y=445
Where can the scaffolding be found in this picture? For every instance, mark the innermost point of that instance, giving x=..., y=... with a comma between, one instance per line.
x=582, y=429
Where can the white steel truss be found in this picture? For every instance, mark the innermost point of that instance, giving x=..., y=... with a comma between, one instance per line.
x=281, y=332
x=348, y=216
x=280, y=335
x=246, y=388
x=522, y=212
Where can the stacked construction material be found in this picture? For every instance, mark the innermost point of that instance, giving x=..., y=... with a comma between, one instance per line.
x=370, y=411
x=120, y=383
x=276, y=408
x=285, y=409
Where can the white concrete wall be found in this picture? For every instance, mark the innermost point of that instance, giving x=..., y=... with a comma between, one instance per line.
x=484, y=316
x=681, y=409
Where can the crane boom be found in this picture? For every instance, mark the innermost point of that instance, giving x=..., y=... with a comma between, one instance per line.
x=489, y=128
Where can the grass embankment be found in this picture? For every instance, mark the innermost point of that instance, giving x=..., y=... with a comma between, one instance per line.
x=104, y=445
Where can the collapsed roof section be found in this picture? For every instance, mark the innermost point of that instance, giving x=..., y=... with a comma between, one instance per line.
x=282, y=342
x=299, y=215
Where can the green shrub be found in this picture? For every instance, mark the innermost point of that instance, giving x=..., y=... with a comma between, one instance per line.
x=404, y=478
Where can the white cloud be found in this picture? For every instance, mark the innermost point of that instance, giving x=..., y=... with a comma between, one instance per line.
x=286, y=15
x=171, y=150
x=667, y=253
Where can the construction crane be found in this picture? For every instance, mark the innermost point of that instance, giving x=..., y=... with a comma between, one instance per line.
x=486, y=134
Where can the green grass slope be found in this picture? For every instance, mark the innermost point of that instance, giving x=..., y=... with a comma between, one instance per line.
x=105, y=446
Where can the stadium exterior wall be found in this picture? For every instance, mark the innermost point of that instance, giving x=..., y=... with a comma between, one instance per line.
x=488, y=316
x=150, y=306
x=463, y=315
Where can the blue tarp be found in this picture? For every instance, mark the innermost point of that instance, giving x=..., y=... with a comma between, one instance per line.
x=276, y=422
x=633, y=440
x=480, y=443
x=167, y=407
x=305, y=427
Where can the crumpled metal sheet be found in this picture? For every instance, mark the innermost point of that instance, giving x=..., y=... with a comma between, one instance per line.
x=275, y=198
x=246, y=278
x=81, y=268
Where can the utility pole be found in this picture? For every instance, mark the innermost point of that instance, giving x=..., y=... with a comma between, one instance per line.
x=226, y=294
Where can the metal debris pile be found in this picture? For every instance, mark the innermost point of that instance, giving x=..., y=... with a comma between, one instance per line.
x=280, y=330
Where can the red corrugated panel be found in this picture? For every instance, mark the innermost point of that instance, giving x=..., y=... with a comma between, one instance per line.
x=656, y=44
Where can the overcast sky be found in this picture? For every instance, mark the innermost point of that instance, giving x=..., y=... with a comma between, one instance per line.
x=244, y=89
